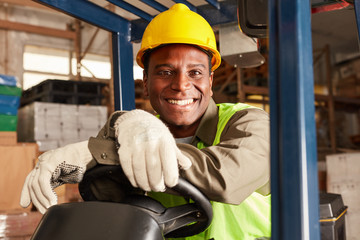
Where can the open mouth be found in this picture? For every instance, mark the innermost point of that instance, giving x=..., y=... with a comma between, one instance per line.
x=180, y=102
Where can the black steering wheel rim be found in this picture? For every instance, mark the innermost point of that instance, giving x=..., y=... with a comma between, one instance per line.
x=199, y=212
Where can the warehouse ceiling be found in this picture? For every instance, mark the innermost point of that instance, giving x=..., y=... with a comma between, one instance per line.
x=334, y=28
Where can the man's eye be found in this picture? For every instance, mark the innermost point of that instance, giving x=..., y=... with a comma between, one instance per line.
x=195, y=73
x=165, y=73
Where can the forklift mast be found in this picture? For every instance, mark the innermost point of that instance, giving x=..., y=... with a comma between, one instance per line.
x=294, y=183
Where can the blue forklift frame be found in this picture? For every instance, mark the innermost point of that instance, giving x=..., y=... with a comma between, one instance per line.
x=294, y=181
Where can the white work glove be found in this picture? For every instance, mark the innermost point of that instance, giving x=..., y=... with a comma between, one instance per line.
x=54, y=168
x=148, y=153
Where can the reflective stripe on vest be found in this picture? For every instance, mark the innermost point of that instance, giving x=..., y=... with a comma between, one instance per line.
x=247, y=221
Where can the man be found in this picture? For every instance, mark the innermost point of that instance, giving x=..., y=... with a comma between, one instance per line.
x=222, y=149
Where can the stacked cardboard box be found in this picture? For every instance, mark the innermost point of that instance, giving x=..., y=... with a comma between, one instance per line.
x=16, y=161
x=54, y=125
x=343, y=177
x=349, y=86
x=349, y=83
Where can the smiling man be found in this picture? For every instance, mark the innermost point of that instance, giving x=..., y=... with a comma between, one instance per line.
x=223, y=149
x=178, y=81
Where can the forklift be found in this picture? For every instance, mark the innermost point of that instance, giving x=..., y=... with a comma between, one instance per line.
x=294, y=175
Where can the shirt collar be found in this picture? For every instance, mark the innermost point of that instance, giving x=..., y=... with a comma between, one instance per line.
x=206, y=131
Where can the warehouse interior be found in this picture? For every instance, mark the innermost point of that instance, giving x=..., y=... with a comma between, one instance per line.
x=54, y=67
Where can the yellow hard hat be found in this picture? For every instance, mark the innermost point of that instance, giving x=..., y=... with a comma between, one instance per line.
x=179, y=25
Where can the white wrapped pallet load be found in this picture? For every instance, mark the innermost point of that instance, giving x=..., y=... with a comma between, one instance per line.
x=39, y=121
x=91, y=120
x=54, y=125
x=69, y=123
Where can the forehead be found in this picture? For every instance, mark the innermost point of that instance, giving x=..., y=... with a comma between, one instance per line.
x=179, y=50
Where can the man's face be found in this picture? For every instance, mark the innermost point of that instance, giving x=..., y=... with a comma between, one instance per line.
x=178, y=84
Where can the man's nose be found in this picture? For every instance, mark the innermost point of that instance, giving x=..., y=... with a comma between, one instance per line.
x=180, y=82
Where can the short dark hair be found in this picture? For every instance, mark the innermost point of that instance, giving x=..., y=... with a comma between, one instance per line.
x=147, y=53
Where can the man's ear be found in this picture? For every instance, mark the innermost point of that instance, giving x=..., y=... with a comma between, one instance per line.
x=146, y=92
x=211, y=78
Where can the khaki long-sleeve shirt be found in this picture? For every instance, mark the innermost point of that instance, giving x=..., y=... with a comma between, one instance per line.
x=227, y=172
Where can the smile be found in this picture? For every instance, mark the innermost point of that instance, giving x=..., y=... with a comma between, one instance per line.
x=180, y=102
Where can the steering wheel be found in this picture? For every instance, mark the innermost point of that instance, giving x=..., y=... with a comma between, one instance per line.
x=179, y=221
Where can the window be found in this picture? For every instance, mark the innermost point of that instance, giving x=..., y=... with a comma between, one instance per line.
x=42, y=63
x=94, y=66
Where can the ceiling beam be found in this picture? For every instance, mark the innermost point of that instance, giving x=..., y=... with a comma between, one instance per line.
x=16, y=26
x=26, y=3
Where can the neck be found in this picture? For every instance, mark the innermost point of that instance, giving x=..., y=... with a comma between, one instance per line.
x=183, y=131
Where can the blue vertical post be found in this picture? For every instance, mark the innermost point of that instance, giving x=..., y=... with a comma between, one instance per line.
x=357, y=16
x=294, y=182
x=124, y=87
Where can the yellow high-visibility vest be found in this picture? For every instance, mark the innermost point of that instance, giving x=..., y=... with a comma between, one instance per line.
x=249, y=220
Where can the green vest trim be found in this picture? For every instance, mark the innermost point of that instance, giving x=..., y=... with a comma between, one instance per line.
x=247, y=221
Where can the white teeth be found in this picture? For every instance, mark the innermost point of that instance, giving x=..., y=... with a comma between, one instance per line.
x=181, y=102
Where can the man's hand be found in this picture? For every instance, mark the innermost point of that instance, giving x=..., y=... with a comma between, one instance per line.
x=148, y=153
x=54, y=168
